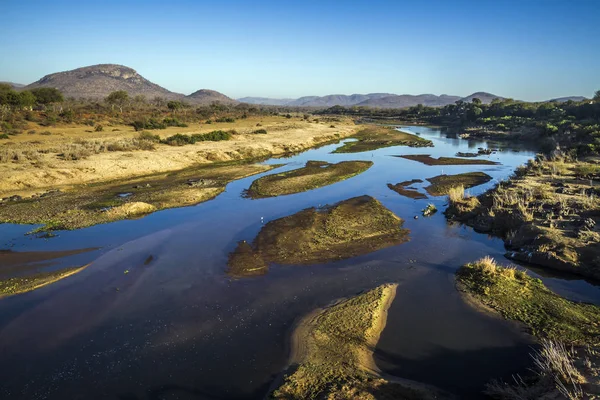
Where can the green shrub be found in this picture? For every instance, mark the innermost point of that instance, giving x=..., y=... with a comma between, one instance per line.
x=148, y=124
x=99, y=128
x=225, y=119
x=4, y=136
x=174, y=122
x=263, y=131
x=182, y=139
x=145, y=135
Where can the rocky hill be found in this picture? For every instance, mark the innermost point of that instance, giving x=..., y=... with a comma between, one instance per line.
x=486, y=98
x=98, y=81
x=206, y=96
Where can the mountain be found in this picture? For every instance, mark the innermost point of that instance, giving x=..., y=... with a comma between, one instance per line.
x=572, y=98
x=378, y=100
x=98, y=81
x=206, y=96
x=14, y=85
x=486, y=98
x=265, y=101
x=407, y=100
x=336, y=100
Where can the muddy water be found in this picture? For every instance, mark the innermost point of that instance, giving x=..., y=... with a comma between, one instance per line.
x=155, y=316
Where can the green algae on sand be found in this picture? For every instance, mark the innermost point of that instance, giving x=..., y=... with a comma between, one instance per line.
x=352, y=227
x=377, y=137
x=428, y=160
x=314, y=175
x=403, y=189
x=24, y=284
x=130, y=198
x=332, y=353
x=441, y=184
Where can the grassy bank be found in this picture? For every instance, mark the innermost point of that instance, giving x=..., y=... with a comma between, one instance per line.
x=347, y=229
x=547, y=215
x=377, y=137
x=561, y=371
x=314, y=175
x=333, y=353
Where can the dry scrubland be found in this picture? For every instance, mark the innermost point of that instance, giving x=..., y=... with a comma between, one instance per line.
x=69, y=155
x=547, y=214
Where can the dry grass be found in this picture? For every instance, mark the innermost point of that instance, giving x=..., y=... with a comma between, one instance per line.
x=561, y=372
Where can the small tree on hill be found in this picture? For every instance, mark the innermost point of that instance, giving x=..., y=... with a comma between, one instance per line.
x=118, y=98
x=46, y=95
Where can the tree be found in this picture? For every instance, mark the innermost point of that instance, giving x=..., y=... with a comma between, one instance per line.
x=597, y=96
x=27, y=99
x=476, y=101
x=118, y=98
x=47, y=95
x=174, y=105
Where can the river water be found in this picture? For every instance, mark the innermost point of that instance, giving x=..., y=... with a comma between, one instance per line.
x=155, y=315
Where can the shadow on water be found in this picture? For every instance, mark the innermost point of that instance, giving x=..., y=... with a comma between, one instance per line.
x=178, y=327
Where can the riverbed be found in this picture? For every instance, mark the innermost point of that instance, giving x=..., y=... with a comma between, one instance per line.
x=156, y=316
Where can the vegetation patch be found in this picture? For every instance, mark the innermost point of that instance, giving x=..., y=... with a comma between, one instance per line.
x=377, y=137
x=183, y=139
x=519, y=297
x=546, y=214
x=333, y=353
x=403, y=189
x=17, y=285
x=567, y=365
x=461, y=154
x=314, y=175
x=442, y=184
x=428, y=160
x=347, y=229
x=93, y=204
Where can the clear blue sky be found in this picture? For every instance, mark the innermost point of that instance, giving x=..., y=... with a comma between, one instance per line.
x=526, y=49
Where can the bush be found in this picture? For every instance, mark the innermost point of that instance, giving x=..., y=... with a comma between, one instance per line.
x=225, y=119
x=148, y=124
x=208, y=122
x=145, y=135
x=263, y=131
x=182, y=139
x=174, y=122
x=99, y=128
x=4, y=136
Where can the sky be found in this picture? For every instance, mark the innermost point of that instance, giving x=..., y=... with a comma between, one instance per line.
x=527, y=49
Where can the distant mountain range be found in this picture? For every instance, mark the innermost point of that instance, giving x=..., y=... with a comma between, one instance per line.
x=98, y=81
x=14, y=85
x=380, y=100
